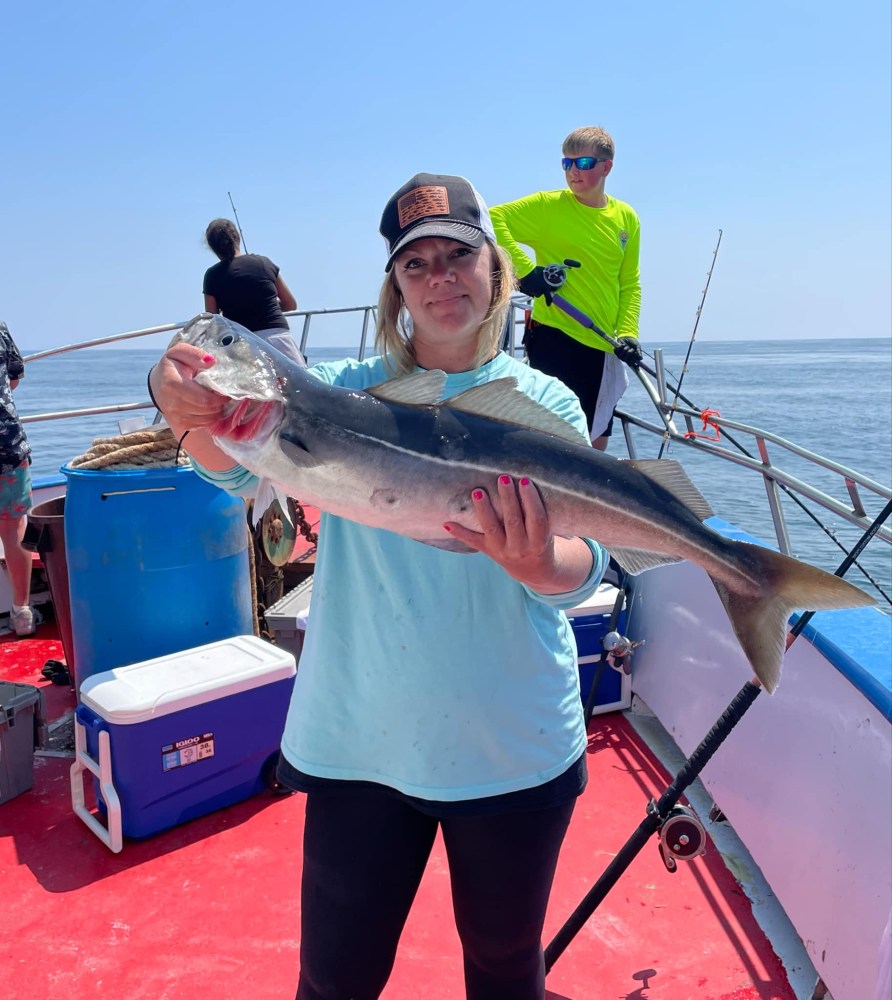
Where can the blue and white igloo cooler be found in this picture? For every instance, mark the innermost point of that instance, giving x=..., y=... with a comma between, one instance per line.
x=178, y=736
x=591, y=621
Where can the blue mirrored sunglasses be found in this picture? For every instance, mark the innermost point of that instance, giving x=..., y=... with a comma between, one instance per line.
x=581, y=162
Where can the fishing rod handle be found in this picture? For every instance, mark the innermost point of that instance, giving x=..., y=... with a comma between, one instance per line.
x=582, y=319
x=656, y=813
x=708, y=745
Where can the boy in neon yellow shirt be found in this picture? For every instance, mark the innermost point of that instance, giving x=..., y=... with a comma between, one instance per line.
x=583, y=223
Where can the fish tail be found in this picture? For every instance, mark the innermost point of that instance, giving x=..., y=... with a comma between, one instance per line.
x=760, y=618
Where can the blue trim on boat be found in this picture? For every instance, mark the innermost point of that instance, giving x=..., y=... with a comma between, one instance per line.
x=834, y=633
x=48, y=482
x=871, y=632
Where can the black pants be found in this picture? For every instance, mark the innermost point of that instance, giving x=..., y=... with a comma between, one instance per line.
x=364, y=855
x=580, y=368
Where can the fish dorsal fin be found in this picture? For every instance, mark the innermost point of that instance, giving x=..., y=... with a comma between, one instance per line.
x=638, y=560
x=502, y=400
x=417, y=389
x=672, y=477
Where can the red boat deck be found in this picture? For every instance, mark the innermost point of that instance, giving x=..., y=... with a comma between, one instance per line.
x=213, y=905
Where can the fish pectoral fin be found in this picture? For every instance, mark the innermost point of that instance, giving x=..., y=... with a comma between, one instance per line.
x=672, y=477
x=502, y=400
x=293, y=448
x=418, y=389
x=638, y=560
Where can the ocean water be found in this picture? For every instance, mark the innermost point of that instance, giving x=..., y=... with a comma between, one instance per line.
x=831, y=397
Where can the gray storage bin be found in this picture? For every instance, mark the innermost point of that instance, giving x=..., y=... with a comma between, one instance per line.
x=21, y=729
x=288, y=617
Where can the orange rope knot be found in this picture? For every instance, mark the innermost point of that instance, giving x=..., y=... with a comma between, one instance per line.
x=707, y=422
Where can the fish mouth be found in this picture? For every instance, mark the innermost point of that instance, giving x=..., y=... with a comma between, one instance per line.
x=249, y=419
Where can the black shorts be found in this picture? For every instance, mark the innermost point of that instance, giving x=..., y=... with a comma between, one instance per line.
x=579, y=367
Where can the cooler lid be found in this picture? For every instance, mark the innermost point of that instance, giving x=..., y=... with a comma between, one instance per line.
x=600, y=603
x=171, y=683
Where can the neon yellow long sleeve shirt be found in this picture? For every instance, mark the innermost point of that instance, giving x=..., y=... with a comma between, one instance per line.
x=606, y=241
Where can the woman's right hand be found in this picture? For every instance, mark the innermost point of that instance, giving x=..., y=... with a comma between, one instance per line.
x=187, y=405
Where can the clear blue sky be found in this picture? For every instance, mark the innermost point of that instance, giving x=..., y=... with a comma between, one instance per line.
x=125, y=125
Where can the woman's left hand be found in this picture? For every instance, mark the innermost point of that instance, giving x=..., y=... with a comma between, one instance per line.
x=521, y=541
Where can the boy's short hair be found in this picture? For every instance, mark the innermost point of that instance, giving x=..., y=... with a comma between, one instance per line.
x=589, y=139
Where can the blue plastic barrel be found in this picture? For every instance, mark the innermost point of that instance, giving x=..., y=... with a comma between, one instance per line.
x=157, y=563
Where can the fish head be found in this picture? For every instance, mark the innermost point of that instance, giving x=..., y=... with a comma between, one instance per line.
x=249, y=373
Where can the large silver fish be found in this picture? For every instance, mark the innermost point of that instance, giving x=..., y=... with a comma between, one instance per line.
x=397, y=457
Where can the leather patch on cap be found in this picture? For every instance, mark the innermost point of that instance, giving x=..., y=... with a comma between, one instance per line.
x=433, y=199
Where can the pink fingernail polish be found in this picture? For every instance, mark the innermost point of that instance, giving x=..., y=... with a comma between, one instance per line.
x=477, y=494
x=446, y=527
x=505, y=480
x=208, y=358
x=524, y=481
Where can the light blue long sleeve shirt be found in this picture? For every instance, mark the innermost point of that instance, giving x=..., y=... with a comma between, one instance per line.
x=431, y=671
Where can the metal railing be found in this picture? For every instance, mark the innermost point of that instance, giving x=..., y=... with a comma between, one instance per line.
x=369, y=315
x=758, y=460
x=775, y=478
x=369, y=320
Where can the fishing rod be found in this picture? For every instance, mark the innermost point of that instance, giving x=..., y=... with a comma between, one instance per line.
x=238, y=224
x=684, y=366
x=682, y=835
x=555, y=276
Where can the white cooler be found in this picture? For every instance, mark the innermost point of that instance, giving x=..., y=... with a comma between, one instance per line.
x=181, y=735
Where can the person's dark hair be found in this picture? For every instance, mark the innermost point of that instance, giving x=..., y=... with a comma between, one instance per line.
x=222, y=237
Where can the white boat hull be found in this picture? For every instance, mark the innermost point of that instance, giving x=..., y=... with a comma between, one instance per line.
x=805, y=778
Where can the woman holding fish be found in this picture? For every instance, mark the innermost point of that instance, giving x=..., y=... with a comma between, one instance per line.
x=438, y=686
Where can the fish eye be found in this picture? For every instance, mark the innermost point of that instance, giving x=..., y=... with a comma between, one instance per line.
x=227, y=339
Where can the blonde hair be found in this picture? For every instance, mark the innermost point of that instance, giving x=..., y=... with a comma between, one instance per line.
x=393, y=337
x=589, y=139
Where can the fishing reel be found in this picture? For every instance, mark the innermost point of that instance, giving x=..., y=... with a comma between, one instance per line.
x=682, y=836
x=556, y=274
x=618, y=648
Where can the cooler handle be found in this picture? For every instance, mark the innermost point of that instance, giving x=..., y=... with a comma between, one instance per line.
x=112, y=835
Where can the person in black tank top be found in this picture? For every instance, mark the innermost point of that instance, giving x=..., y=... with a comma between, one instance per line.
x=248, y=289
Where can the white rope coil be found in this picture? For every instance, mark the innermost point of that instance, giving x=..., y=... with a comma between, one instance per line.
x=148, y=448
